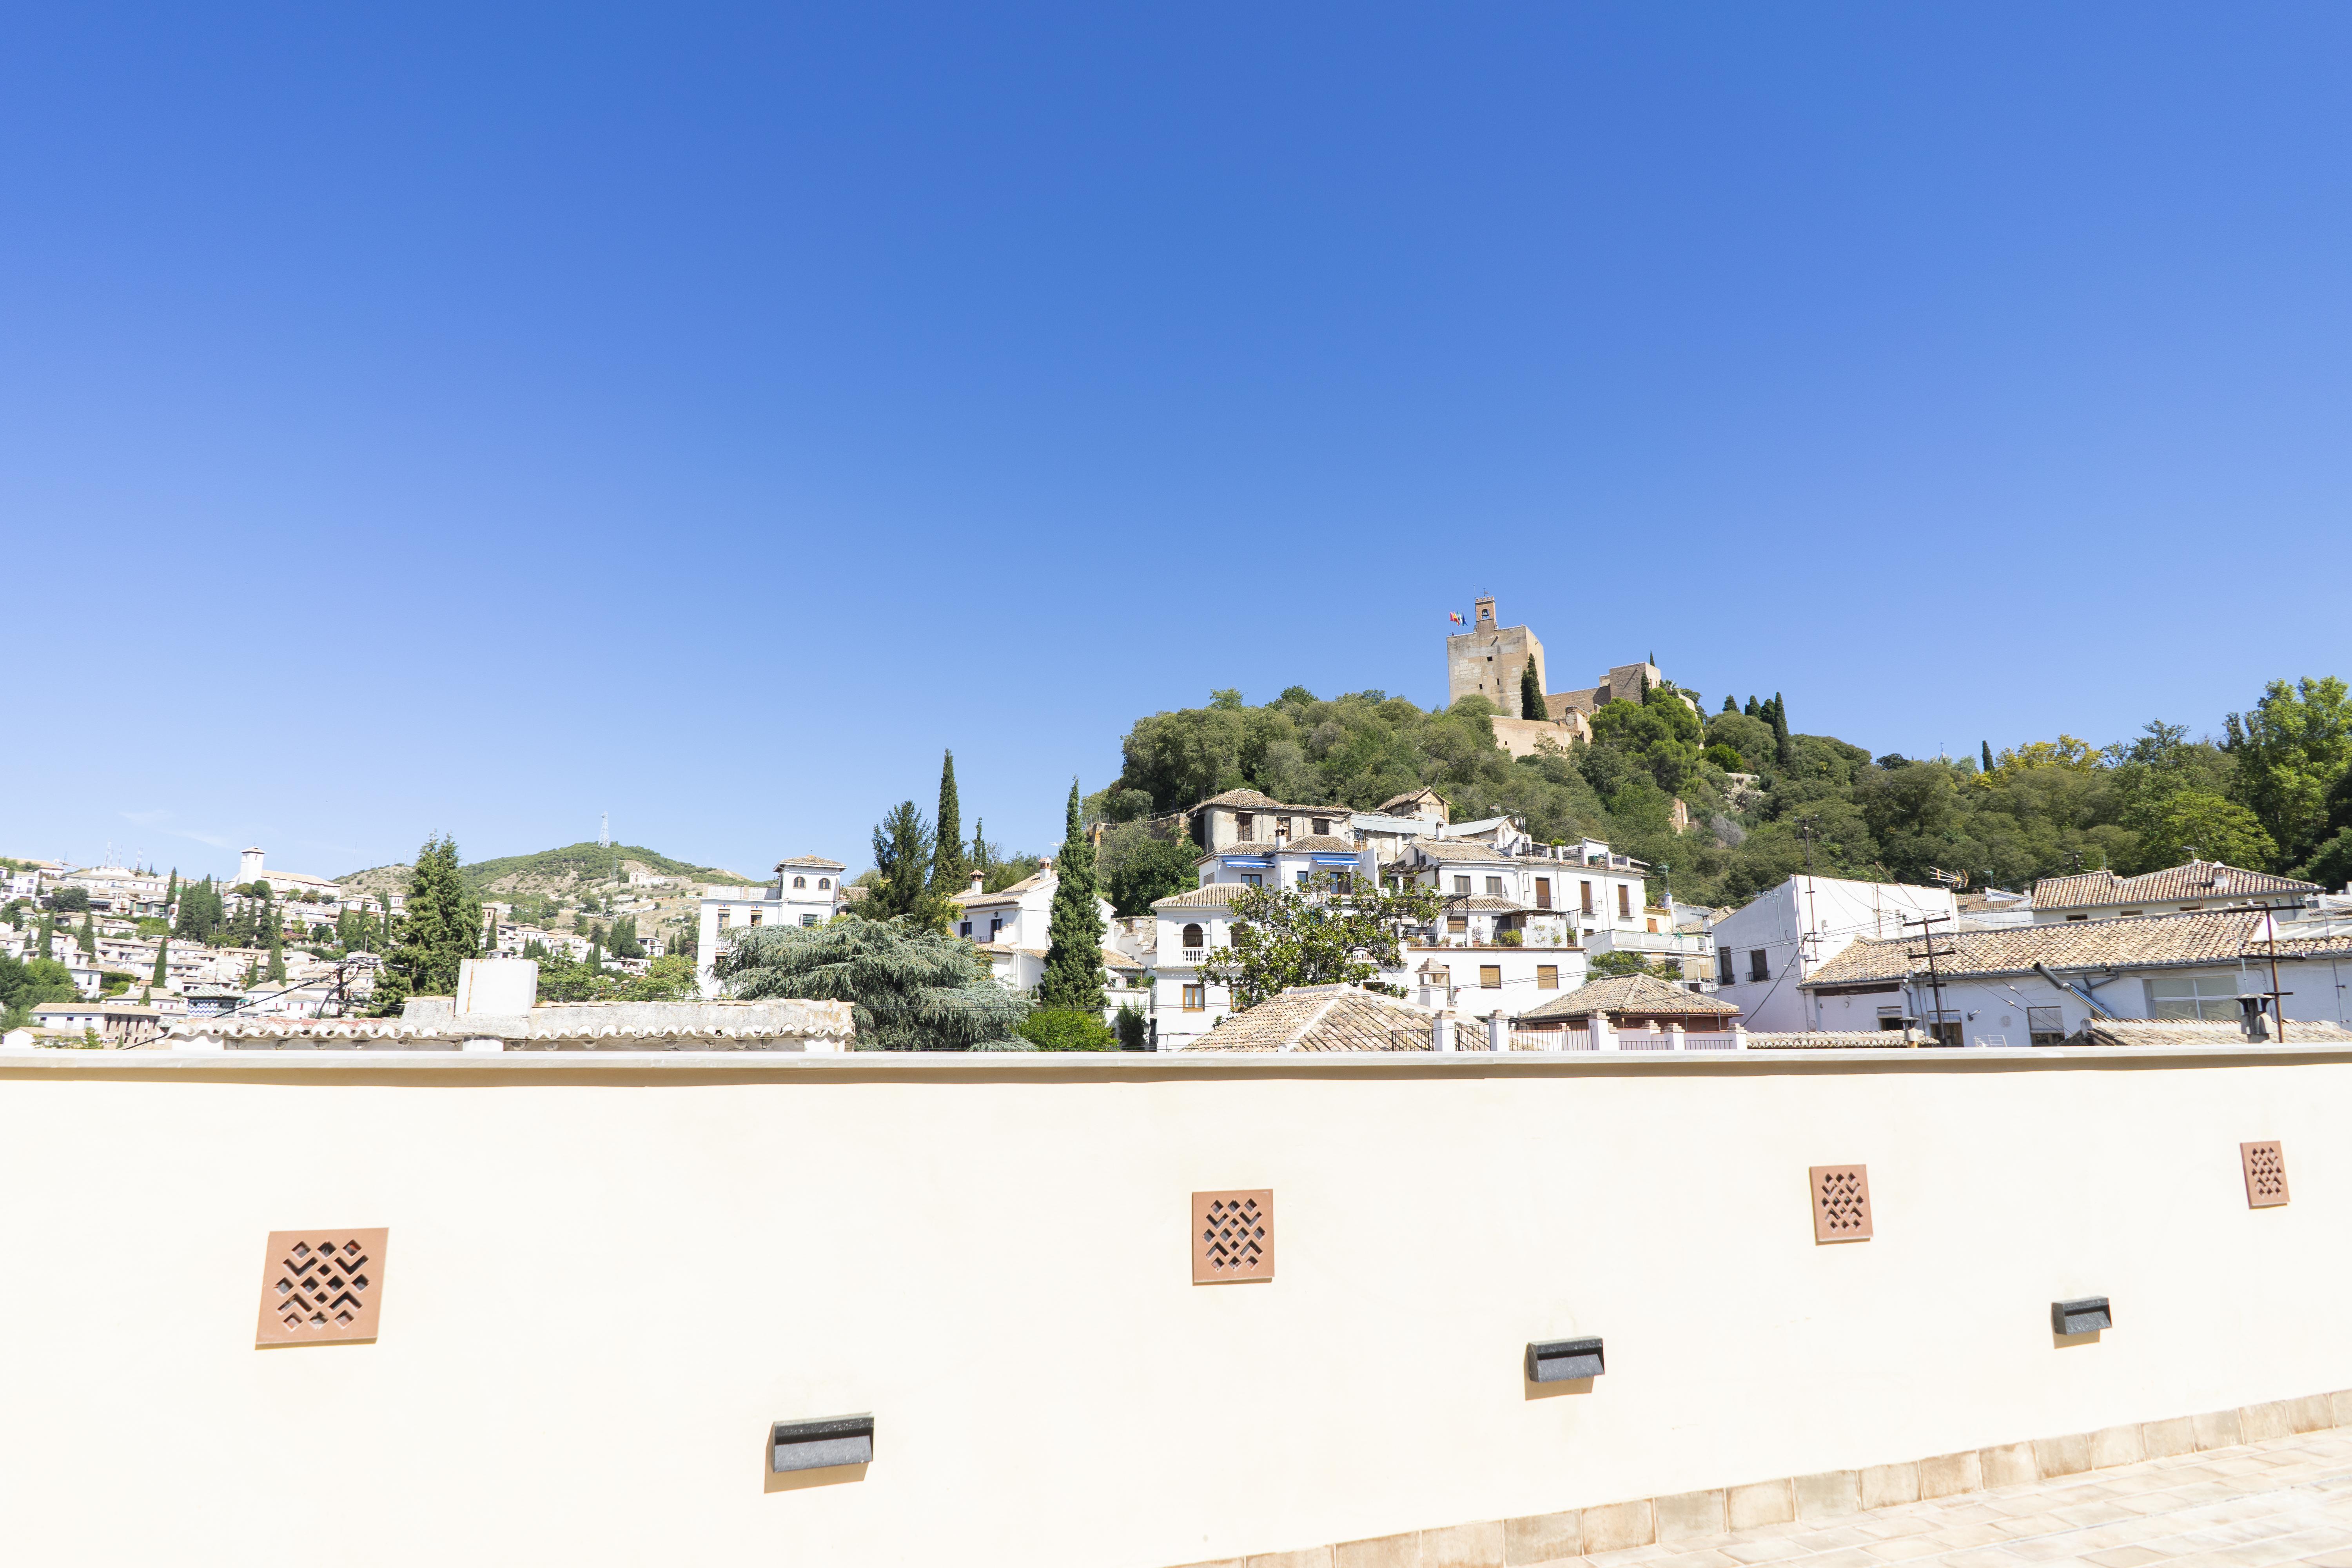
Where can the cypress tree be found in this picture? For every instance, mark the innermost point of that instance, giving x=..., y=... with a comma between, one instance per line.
x=48, y=933
x=171, y=892
x=162, y=955
x=1531, y=697
x=1074, y=967
x=277, y=954
x=1987, y=755
x=1750, y=708
x=978, y=862
x=948, y=872
x=1730, y=706
x=88, y=937
x=1784, y=746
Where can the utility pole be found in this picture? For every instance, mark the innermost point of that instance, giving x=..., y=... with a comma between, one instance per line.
x=1934, y=979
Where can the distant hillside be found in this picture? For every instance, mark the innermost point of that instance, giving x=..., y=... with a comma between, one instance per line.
x=556, y=871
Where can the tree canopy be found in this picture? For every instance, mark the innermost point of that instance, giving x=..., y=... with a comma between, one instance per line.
x=911, y=989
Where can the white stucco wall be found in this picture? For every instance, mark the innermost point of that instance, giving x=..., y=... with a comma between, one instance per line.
x=605, y=1275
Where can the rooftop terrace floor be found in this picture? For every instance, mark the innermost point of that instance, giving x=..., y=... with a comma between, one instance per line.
x=2283, y=1500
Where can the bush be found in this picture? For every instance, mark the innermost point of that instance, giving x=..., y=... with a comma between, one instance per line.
x=1068, y=1029
x=1726, y=758
x=1129, y=1027
x=1509, y=939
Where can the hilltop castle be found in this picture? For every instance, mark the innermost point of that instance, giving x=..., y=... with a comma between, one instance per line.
x=1488, y=660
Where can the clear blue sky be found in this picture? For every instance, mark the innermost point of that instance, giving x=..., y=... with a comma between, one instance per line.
x=474, y=419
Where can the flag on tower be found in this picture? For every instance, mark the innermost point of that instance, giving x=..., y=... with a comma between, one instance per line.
x=1454, y=619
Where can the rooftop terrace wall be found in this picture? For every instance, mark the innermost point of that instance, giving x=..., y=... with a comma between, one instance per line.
x=605, y=1277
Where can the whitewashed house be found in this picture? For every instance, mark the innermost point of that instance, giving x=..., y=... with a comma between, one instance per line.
x=2176, y=890
x=806, y=893
x=1767, y=948
x=1013, y=927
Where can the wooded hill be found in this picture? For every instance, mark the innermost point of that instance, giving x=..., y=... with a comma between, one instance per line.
x=2274, y=794
x=574, y=867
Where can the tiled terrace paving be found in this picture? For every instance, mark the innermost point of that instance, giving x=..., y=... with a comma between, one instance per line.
x=2287, y=1500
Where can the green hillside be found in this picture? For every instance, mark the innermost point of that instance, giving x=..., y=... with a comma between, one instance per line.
x=582, y=863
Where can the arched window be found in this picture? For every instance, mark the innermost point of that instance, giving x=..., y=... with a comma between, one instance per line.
x=1193, y=937
x=800, y=881
x=825, y=881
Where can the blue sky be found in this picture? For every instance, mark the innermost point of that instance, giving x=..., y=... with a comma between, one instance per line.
x=477, y=418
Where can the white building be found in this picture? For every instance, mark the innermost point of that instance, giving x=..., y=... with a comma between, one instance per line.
x=2037, y=985
x=1012, y=927
x=2176, y=890
x=806, y=893
x=1765, y=950
x=325, y=889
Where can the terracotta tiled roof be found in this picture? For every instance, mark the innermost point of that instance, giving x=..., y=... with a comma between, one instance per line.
x=1414, y=797
x=1207, y=896
x=1322, y=1019
x=2198, y=880
x=1643, y=994
x=2195, y=1032
x=1322, y=844
x=1837, y=1040
x=2217, y=936
x=1458, y=849
x=1480, y=904
x=1251, y=800
x=810, y=862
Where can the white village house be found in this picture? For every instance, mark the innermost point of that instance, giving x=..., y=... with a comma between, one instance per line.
x=806, y=893
x=1764, y=948
x=1010, y=928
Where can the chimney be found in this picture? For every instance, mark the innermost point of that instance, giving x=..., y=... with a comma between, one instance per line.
x=976, y=880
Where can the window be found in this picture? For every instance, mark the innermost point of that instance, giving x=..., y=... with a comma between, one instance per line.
x=807, y=921
x=1302, y=879
x=823, y=882
x=1724, y=973
x=800, y=881
x=1461, y=884
x=1252, y=880
x=1244, y=824
x=1192, y=938
x=2194, y=997
x=2078, y=917
x=1322, y=825
x=995, y=924
x=1760, y=966
x=1490, y=977
x=2126, y=914
x=964, y=930
x=1584, y=896
x=1654, y=926
x=1196, y=998
x=1547, y=976
x=1282, y=827
x=722, y=920
x=1543, y=892
x=1624, y=902
x=755, y=917
x=1494, y=887
x=1458, y=924
x=2047, y=1026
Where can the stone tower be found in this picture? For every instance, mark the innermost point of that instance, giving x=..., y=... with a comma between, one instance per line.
x=1486, y=661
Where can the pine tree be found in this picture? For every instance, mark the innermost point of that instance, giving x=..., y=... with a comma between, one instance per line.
x=1986, y=754
x=902, y=853
x=443, y=924
x=948, y=871
x=1531, y=696
x=1074, y=967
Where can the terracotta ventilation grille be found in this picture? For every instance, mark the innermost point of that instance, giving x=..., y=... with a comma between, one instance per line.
x=1841, y=1203
x=1233, y=1236
x=2266, y=1174
x=321, y=1285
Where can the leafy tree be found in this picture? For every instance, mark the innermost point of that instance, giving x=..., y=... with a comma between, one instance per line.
x=1068, y=1029
x=1531, y=693
x=624, y=938
x=1660, y=733
x=2331, y=866
x=1287, y=937
x=26, y=985
x=1073, y=977
x=390, y=995
x=1603, y=965
x=442, y=924
x=70, y=900
x=1724, y=757
x=902, y=856
x=1137, y=864
x=949, y=873
x=2291, y=749
x=910, y=988
x=2193, y=824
